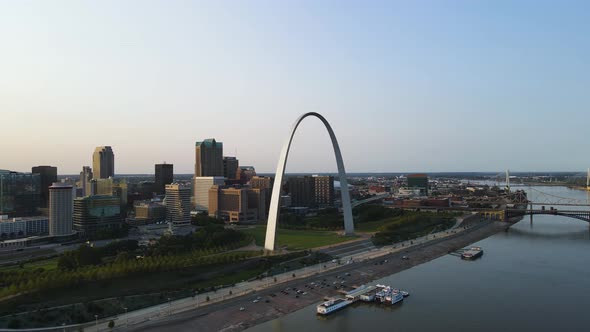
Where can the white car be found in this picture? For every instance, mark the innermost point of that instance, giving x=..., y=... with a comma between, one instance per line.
x=256, y=301
x=242, y=309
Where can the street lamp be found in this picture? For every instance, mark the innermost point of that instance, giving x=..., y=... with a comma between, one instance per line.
x=64, y=326
x=169, y=307
x=96, y=317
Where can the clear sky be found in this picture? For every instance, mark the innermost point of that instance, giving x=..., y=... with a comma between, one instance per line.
x=407, y=86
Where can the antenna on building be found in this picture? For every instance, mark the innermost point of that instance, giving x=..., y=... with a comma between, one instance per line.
x=236, y=152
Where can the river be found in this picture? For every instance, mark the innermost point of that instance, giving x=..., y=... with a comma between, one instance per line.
x=533, y=277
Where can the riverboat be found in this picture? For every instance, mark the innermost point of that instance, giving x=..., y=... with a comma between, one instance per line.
x=329, y=307
x=472, y=253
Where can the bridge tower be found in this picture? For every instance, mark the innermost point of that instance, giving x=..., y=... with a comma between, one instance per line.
x=508, y=181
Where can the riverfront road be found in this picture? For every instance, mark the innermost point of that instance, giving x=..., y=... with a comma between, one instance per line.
x=349, y=249
x=227, y=316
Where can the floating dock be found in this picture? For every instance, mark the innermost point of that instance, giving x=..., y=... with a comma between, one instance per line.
x=377, y=293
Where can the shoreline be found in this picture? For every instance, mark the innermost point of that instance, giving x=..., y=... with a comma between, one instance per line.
x=226, y=316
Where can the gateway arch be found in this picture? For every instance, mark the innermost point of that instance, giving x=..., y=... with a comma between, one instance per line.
x=273, y=214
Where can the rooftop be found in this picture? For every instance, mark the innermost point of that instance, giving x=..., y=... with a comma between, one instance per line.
x=209, y=142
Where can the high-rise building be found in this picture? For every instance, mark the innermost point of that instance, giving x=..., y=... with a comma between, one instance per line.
x=48, y=175
x=84, y=182
x=237, y=204
x=164, y=176
x=201, y=186
x=418, y=181
x=209, y=158
x=147, y=212
x=61, y=209
x=103, y=162
x=302, y=190
x=19, y=193
x=110, y=187
x=263, y=183
x=230, y=168
x=97, y=214
x=178, y=204
x=323, y=191
x=246, y=173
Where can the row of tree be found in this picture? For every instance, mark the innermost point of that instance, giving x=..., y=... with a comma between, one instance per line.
x=21, y=282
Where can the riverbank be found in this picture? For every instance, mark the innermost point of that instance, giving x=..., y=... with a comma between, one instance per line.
x=227, y=316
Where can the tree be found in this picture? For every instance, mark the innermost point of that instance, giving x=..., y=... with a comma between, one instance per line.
x=111, y=324
x=207, y=298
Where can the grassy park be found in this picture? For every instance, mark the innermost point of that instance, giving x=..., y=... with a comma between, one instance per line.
x=297, y=239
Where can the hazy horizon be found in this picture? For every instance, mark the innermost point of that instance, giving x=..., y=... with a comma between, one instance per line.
x=424, y=85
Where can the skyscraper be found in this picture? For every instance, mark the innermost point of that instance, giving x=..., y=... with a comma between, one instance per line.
x=302, y=190
x=103, y=162
x=201, y=186
x=230, y=168
x=97, y=214
x=237, y=204
x=246, y=173
x=164, y=176
x=178, y=204
x=85, y=177
x=209, y=158
x=61, y=209
x=48, y=175
x=19, y=193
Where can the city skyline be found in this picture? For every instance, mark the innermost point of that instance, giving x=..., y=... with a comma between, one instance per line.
x=493, y=87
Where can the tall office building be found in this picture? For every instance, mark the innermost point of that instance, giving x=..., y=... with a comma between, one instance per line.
x=97, y=214
x=201, y=186
x=178, y=204
x=164, y=176
x=263, y=183
x=323, y=191
x=237, y=204
x=61, y=209
x=302, y=190
x=209, y=158
x=84, y=182
x=230, y=168
x=246, y=173
x=19, y=193
x=110, y=187
x=103, y=162
x=48, y=175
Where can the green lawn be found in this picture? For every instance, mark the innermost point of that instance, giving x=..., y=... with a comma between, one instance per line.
x=372, y=226
x=297, y=239
x=47, y=264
